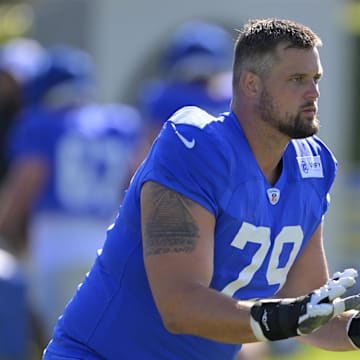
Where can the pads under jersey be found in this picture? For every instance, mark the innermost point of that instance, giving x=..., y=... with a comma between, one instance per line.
x=260, y=231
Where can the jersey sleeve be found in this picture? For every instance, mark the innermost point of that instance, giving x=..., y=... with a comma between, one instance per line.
x=320, y=169
x=329, y=164
x=331, y=170
x=187, y=159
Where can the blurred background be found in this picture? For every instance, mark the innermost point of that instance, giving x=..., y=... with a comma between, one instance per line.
x=127, y=40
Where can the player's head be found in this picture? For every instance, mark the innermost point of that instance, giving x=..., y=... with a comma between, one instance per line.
x=69, y=74
x=198, y=49
x=277, y=66
x=258, y=40
x=21, y=60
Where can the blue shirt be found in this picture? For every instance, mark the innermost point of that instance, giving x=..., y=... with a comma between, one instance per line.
x=87, y=149
x=260, y=231
x=160, y=98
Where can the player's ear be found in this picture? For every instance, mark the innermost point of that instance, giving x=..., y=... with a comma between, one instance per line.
x=250, y=83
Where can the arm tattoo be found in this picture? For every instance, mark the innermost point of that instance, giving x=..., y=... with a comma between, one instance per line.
x=170, y=227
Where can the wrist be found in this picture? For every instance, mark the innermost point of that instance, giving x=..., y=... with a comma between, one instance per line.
x=275, y=319
x=353, y=330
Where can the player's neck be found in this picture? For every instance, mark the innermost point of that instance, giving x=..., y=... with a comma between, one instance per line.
x=270, y=164
x=267, y=145
x=273, y=175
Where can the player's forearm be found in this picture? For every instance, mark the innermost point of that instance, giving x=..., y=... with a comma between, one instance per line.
x=22, y=185
x=198, y=310
x=204, y=312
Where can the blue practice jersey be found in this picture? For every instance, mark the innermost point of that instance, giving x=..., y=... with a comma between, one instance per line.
x=260, y=232
x=88, y=151
x=160, y=98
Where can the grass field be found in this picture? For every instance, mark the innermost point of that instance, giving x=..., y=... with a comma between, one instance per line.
x=310, y=353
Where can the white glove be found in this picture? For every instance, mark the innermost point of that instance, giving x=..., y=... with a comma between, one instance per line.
x=277, y=319
x=325, y=302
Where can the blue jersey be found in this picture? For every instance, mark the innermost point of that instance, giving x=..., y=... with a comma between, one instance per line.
x=87, y=150
x=159, y=99
x=260, y=231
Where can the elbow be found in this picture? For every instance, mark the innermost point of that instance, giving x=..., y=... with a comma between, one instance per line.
x=174, y=316
x=178, y=310
x=173, y=327
x=173, y=322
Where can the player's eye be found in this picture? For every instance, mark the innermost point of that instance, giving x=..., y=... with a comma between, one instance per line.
x=317, y=79
x=297, y=78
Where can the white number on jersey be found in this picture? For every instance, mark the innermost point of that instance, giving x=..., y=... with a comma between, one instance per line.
x=261, y=235
x=90, y=173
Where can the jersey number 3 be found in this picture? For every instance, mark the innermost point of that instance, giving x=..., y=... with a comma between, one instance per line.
x=261, y=235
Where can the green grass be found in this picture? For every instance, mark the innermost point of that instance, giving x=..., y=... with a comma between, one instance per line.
x=311, y=353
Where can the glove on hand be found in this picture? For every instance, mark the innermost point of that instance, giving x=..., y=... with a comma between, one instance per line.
x=277, y=319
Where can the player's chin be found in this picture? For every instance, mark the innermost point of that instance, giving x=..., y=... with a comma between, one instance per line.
x=314, y=129
x=311, y=120
x=307, y=129
x=310, y=117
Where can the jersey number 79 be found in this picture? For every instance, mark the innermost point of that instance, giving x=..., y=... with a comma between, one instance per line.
x=261, y=235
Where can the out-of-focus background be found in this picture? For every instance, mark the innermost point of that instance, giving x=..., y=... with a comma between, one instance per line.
x=126, y=40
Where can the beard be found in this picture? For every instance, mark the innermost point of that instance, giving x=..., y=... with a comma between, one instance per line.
x=293, y=126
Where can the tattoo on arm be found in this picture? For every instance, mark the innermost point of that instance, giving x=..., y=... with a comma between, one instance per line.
x=170, y=227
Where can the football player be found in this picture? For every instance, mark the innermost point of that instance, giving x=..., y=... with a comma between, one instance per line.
x=219, y=239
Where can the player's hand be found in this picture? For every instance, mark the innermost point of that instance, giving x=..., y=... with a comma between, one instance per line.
x=325, y=302
x=277, y=319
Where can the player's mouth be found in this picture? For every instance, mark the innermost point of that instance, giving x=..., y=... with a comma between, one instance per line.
x=310, y=111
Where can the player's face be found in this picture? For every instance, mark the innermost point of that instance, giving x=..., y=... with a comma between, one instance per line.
x=288, y=101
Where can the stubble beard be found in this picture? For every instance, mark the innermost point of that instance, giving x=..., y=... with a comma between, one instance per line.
x=293, y=126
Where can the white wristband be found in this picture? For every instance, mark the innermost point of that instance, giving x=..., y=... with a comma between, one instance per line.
x=256, y=328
